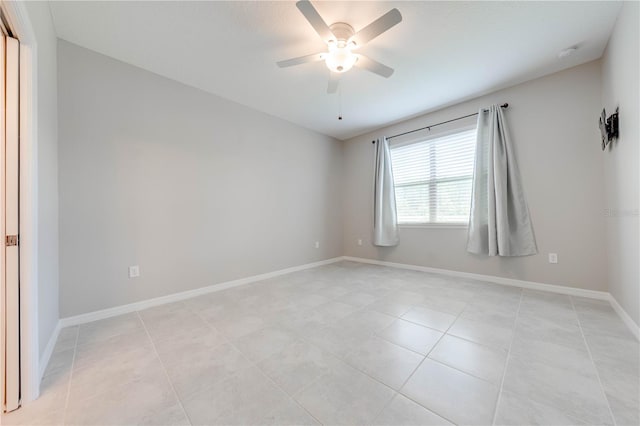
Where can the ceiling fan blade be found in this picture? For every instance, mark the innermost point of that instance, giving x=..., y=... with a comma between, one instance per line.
x=334, y=79
x=373, y=66
x=315, y=20
x=301, y=60
x=377, y=27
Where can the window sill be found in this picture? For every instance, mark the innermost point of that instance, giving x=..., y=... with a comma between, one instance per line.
x=434, y=225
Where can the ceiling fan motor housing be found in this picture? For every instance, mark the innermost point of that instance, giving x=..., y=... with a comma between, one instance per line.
x=343, y=33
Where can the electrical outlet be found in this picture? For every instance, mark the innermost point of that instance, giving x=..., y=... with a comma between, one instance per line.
x=317, y=244
x=553, y=257
x=359, y=242
x=134, y=271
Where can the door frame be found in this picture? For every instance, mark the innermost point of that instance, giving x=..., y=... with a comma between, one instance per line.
x=16, y=14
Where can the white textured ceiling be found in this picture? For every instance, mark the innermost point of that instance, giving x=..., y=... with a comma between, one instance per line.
x=442, y=52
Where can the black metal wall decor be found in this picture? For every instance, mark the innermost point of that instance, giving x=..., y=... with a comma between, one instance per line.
x=608, y=127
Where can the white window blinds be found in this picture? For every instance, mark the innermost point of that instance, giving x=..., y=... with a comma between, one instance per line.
x=433, y=178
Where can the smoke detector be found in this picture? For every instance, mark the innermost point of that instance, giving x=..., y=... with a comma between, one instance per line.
x=567, y=52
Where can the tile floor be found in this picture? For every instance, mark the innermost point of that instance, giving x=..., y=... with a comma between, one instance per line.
x=348, y=343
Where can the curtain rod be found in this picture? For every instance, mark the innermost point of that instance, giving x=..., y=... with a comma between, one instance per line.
x=505, y=105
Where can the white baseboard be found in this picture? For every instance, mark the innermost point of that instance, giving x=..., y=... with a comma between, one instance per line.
x=629, y=322
x=48, y=350
x=571, y=291
x=175, y=297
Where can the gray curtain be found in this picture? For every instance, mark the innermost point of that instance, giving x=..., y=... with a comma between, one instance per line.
x=499, y=224
x=385, y=224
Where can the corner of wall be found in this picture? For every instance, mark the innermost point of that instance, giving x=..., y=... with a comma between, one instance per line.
x=620, y=87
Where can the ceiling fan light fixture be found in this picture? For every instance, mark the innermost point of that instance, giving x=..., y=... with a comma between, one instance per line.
x=340, y=58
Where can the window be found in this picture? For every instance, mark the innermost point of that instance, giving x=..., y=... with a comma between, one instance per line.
x=433, y=178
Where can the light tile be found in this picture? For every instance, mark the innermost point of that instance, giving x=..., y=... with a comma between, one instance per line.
x=405, y=297
x=264, y=343
x=106, y=328
x=566, y=333
x=66, y=339
x=213, y=307
x=60, y=362
x=485, y=333
x=199, y=370
x=137, y=400
x=97, y=351
x=626, y=351
x=472, y=358
x=452, y=394
x=445, y=304
x=333, y=292
x=290, y=413
x=578, y=394
x=336, y=340
x=557, y=307
x=238, y=326
x=626, y=411
x=552, y=354
x=185, y=346
x=243, y=398
x=490, y=313
x=603, y=320
x=168, y=325
x=308, y=300
x=403, y=411
x=384, y=361
x=297, y=366
x=411, y=336
x=516, y=410
x=430, y=318
x=344, y=397
x=321, y=316
x=358, y=298
x=119, y=371
x=173, y=415
x=366, y=321
x=385, y=306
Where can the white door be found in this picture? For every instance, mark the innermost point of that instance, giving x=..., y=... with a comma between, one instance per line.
x=9, y=134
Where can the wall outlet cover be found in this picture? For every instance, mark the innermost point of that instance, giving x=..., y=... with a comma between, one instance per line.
x=134, y=271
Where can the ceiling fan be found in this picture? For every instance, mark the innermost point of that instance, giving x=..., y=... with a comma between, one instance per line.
x=341, y=41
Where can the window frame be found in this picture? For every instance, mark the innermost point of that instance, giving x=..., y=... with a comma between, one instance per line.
x=419, y=139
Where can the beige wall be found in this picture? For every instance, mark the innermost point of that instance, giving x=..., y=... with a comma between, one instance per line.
x=195, y=189
x=553, y=123
x=47, y=157
x=620, y=88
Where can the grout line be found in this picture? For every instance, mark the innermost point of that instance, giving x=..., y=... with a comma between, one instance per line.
x=339, y=358
x=595, y=367
x=164, y=369
x=427, y=357
x=506, y=363
x=255, y=364
x=73, y=362
x=373, y=333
